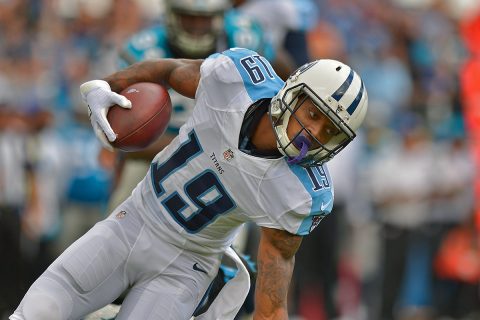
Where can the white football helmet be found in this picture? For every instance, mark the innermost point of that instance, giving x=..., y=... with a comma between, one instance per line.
x=186, y=37
x=337, y=91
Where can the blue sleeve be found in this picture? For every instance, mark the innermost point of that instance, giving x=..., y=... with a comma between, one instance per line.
x=318, y=182
x=259, y=78
x=150, y=43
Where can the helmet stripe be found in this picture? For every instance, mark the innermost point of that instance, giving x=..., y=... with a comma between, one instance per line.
x=356, y=101
x=337, y=95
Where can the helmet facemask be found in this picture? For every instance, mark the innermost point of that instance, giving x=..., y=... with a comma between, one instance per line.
x=304, y=148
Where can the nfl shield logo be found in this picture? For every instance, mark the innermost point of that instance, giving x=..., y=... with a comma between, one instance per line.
x=121, y=214
x=228, y=154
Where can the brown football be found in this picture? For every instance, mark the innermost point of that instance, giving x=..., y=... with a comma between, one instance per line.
x=138, y=127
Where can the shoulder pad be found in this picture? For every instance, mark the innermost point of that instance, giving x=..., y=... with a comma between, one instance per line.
x=150, y=43
x=244, y=31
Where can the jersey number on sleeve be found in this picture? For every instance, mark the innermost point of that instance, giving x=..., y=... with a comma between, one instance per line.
x=318, y=177
x=205, y=191
x=256, y=68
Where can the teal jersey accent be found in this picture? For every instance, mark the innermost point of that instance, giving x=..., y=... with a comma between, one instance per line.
x=150, y=43
x=240, y=30
x=318, y=183
x=257, y=74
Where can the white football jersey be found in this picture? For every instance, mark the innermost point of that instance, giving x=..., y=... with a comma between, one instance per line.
x=202, y=188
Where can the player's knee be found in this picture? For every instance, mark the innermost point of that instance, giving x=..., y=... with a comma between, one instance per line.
x=41, y=307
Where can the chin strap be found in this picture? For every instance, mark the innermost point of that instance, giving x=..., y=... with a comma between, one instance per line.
x=303, y=144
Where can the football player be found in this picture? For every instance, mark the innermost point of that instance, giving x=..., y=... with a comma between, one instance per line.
x=190, y=29
x=255, y=149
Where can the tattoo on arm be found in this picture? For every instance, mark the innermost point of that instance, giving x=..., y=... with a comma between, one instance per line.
x=271, y=280
x=275, y=267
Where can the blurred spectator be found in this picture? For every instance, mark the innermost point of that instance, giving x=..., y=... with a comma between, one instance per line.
x=16, y=195
x=43, y=57
x=453, y=205
x=23, y=117
x=21, y=214
x=401, y=184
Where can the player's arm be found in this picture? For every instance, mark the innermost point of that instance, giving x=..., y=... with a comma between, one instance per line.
x=276, y=259
x=182, y=75
x=99, y=95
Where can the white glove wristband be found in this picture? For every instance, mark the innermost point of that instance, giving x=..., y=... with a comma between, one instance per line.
x=89, y=86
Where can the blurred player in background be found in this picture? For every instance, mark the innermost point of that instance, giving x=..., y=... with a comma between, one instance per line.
x=285, y=23
x=255, y=149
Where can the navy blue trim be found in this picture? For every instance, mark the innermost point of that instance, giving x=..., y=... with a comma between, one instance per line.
x=351, y=109
x=337, y=95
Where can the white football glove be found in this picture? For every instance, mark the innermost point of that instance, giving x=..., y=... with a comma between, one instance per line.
x=99, y=98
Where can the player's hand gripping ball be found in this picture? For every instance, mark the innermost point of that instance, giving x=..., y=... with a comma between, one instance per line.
x=138, y=127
